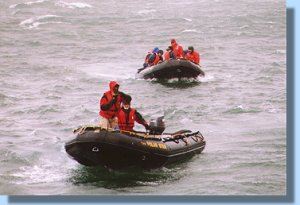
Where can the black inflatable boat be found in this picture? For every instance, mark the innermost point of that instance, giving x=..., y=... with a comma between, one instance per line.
x=171, y=69
x=94, y=146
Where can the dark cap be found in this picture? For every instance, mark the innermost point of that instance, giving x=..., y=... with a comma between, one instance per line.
x=126, y=99
x=191, y=48
x=173, y=40
x=161, y=52
x=170, y=48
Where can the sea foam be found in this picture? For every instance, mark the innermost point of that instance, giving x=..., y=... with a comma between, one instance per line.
x=146, y=11
x=189, y=31
x=73, y=5
x=27, y=3
x=39, y=20
x=187, y=19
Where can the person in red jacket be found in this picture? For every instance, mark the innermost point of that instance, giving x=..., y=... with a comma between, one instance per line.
x=127, y=116
x=160, y=54
x=192, y=55
x=110, y=104
x=155, y=58
x=177, y=49
x=147, y=59
x=169, y=54
x=151, y=57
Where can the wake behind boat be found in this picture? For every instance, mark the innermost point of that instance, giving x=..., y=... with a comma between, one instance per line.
x=173, y=68
x=94, y=146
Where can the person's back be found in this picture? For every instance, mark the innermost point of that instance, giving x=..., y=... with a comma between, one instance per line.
x=146, y=59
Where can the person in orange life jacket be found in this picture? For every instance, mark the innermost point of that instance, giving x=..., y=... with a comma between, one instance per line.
x=110, y=104
x=169, y=54
x=177, y=49
x=127, y=116
x=150, y=54
x=156, y=57
x=192, y=55
x=160, y=54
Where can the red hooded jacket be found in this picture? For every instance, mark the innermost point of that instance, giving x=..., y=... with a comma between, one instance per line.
x=177, y=49
x=109, y=107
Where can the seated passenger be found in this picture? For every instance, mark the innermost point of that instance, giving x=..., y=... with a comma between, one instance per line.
x=127, y=116
x=192, y=55
x=160, y=55
x=177, y=49
x=146, y=59
x=151, y=57
x=156, y=57
x=169, y=54
x=155, y=50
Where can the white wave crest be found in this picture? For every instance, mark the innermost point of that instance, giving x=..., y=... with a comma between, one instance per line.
x=39, y=20
x=37, y=174
x=146, y=11
x=240, y=107
x=245, y=26
x=207, y=78
x=27, y=3
x=30, y=20
x=73, y=5
x=189, y=31
x=187, y=19
x=13, y=6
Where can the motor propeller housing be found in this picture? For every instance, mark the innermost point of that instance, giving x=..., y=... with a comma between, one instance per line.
x=157, y=127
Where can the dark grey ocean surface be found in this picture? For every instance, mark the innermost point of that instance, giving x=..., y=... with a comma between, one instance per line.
x=57, y=57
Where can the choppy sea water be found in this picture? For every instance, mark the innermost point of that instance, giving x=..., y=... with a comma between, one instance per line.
x=57, y=57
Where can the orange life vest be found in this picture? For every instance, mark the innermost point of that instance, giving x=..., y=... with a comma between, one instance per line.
x=167, y=55
x=156, y=60
x=126, y=120
x=113, y=110
x=178, y=50
x=194, y=57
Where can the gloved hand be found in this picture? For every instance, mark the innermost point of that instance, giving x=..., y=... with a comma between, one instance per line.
x=114, y=99
x=145, y=65
x=147, y=127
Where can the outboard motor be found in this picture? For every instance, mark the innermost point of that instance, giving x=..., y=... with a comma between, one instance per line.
x=157, y=127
